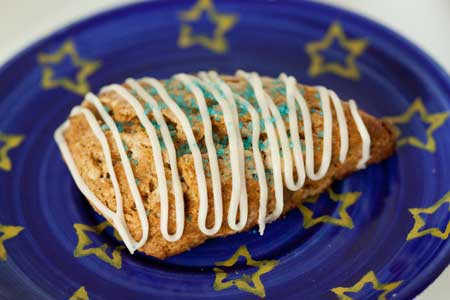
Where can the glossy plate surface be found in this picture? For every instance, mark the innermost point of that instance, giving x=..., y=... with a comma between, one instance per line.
x=381, y=233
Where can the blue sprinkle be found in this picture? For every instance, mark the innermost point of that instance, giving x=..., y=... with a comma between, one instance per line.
x=137, y=181
x=104, y=127
x=320, y=134
x=107, y=109
x=147, y=108
x=220, y=152
x=284, y=110
x=134, y=161
x=317, y=96
x=119, y=126
x=125, y=146
x=248, y=92
x=153, y=91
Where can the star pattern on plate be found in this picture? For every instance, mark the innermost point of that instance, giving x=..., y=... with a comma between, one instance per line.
x=7, y=143
x=346, y=200
x=354, y=48
x=7, y=233
x=369, y=278
x=419, y=222
x=80, y=294
x=222, y=22
x=85, y=68
x=85, y=244
x=433, y=120
x=243, y=283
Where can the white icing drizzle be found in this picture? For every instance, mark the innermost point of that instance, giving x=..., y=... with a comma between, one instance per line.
x=363, y=133
x=285, y=149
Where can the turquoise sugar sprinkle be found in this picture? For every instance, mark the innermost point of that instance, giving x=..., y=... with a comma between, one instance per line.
x=243, y=110
x=168, y=82
x=134, y=161
x=247, y=143
x=212, y=111
x=104, y=127
x=262, y=125
x=162, y=105
x=134, y=93
x=263, y=145
x=153, y=91
x=317, y=95
x=320, y=134
x=220, y=152
x=155, y=124
x=279, y=89
x=284, y=109
x=137, y=181
x=183, y=149
x=248, y=92
x=147, y=108
x=119, y=126
x=107, y=109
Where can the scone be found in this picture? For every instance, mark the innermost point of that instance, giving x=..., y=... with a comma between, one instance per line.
x=171, y=163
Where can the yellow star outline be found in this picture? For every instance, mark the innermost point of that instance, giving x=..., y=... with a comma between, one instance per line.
x=80, y=294
x=368, y=278
x=10, y=141
x=84, y=241
x=344, y=220
x=419, y=222
x=355, y=48
x=6, y=233
x=434, y=121
x=223, y=23
x=85, y=69
x=243, y=283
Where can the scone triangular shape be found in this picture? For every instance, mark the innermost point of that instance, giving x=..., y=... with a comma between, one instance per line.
x=173, y=162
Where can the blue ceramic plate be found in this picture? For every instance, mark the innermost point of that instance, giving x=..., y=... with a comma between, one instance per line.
x=381, y=233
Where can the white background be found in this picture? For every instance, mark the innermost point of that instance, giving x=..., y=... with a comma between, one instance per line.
x=427, y=23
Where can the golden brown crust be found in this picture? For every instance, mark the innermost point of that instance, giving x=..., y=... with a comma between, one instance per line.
x=89, y=160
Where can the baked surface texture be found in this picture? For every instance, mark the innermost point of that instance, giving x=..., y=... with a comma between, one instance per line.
x=90, y=161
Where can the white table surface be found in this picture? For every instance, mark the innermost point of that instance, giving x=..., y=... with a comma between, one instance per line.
x=426, y=23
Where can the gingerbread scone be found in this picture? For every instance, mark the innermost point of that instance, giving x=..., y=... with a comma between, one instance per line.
x=171, y=163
